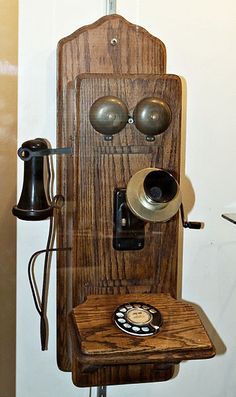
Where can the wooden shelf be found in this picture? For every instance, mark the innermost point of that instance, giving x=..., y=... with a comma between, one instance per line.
x=98, y=342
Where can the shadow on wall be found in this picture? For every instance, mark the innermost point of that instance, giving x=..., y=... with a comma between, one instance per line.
x=188, y=195
x=214, y=336
x=8, y=136
x=187, y=190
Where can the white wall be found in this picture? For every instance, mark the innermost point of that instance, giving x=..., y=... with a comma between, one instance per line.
x=200, y=38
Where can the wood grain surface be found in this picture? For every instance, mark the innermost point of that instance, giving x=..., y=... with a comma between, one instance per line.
x=90, y=67
x=89, y=50
x=83, y=376
x=98, y=341
x=99, y=168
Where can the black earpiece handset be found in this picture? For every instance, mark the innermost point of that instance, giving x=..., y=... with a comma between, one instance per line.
x=35, y=205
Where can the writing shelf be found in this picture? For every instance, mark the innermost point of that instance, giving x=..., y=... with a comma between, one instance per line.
x=99, y=345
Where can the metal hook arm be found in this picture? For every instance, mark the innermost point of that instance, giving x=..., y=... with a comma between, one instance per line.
x=26, y=154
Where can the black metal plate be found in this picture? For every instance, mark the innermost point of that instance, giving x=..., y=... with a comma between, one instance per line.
x=128, y=231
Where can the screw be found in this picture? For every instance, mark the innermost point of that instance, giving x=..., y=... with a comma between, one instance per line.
x=123, y=222
x=150, y=138
x=108, y=137
x=114, y=41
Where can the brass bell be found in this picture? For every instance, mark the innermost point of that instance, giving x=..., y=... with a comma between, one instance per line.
x=108, y=115
x=153, y=195
x=152, y=116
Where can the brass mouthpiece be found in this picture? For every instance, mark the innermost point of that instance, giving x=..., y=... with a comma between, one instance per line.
x=153, y=195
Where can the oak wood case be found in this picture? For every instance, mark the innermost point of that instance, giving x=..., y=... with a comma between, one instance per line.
x=89, y=50
x=90, y=67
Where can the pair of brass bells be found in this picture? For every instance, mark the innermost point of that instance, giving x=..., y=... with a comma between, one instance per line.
x=109, y=115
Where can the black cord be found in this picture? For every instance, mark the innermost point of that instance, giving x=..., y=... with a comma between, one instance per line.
x=41, y=306
x=46, y=271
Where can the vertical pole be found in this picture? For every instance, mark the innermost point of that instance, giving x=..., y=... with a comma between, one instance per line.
x=102, y=391
x=110, y=7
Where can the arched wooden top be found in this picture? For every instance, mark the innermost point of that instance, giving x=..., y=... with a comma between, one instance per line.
x=90, y=50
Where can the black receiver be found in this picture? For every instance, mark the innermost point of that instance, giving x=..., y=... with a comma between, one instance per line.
x=33, y=204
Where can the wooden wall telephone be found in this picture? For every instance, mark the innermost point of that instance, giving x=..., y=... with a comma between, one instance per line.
x=118, y=316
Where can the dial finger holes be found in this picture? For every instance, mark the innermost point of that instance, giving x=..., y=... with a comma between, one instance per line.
x=138, y=319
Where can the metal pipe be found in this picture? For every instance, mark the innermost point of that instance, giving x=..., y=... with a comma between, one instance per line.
x=110, y=7
x=102, y=391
